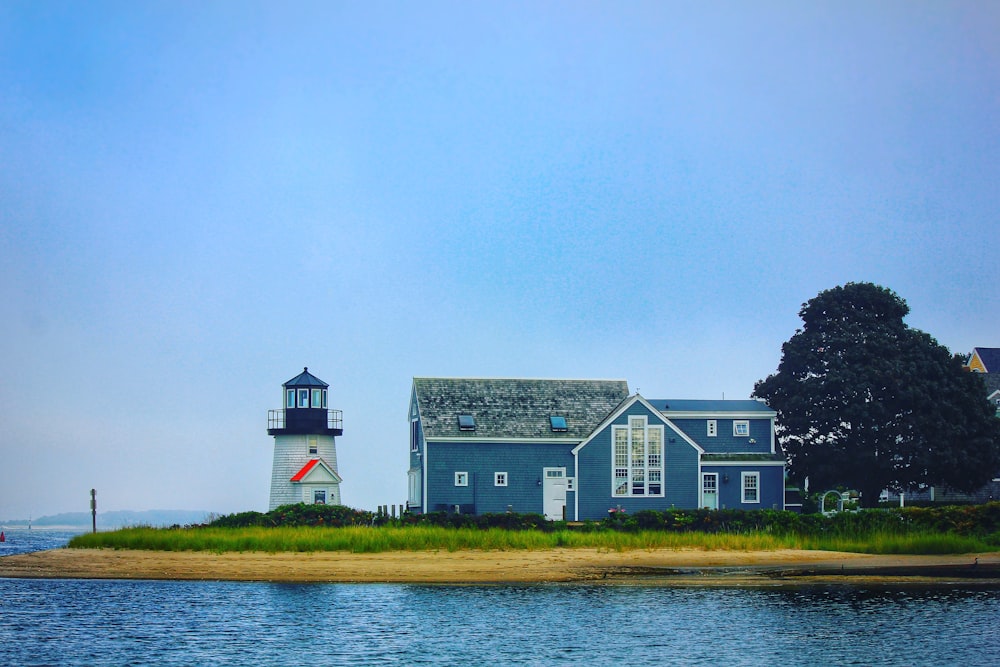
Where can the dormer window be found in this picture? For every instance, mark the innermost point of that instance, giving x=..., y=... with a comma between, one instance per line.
x=558, y=423
x=466, y=423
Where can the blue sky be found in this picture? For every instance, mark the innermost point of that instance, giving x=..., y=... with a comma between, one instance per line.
x=199, y=199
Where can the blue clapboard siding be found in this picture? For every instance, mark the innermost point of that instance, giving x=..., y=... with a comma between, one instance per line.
x=725, y=442
x=772, y=485
x=505, y=409
x=523, y=463
x=596, y=474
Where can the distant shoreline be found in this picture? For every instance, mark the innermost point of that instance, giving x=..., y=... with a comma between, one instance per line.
x=110, y=519
x=686, y=567
x=69, y=528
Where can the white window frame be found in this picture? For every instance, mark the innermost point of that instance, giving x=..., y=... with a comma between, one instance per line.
x=290, y=398
x=317, y=399
x=713, y=428
x=312, y=444
x=714, y=477
x=744, y=477
x=639, y=464
x=303, y=398
x=414, y=447
x=571, y=483
x=499, y=479
x=462, y=478
x=737, y=424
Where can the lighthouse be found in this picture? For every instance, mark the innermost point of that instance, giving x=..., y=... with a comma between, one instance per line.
x=305, y=445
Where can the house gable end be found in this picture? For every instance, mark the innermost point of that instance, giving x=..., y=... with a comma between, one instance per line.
x=985, y=360
x=414, y=410
x=653, y=412
x=598, y=473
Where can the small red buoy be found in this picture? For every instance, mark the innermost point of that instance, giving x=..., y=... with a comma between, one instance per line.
x=3, y=538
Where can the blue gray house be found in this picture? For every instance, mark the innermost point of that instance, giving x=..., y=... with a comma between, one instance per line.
x=576, y=449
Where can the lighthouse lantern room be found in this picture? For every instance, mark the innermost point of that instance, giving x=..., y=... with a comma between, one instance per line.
x=305, y=447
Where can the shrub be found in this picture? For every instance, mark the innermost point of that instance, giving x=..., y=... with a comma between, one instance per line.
x=297, y=515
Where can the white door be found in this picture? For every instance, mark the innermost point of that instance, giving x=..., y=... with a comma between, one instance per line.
x=710, y=491
x=413, y=497
x=554, y=493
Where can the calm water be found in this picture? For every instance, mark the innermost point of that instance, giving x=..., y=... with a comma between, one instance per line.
x=77, y=622
x=22, y=540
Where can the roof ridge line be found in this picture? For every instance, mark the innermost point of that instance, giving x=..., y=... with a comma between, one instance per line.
x=435, y=377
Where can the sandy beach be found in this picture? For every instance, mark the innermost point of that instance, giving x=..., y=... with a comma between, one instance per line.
x=664, y=567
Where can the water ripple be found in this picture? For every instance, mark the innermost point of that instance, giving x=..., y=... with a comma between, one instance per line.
x=73, y=622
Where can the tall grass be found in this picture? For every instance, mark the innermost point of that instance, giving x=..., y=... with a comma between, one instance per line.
x=363, y=539
x=885, y=542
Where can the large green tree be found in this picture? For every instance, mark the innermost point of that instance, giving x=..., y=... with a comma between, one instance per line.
x=865, y=401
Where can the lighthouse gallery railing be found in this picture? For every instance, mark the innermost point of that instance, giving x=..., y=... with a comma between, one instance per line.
x=276, y=419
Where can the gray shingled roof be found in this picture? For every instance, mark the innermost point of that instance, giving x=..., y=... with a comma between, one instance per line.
x=515, y=408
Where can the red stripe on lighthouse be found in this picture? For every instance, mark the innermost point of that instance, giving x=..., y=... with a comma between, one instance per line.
x=305, y=470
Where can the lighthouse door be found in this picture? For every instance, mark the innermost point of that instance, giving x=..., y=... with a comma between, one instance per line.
x=554, y=485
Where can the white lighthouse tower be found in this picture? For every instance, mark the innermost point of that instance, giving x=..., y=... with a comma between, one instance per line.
x=305, y=447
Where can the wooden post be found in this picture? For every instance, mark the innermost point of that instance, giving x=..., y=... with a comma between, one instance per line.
x=93, y=509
